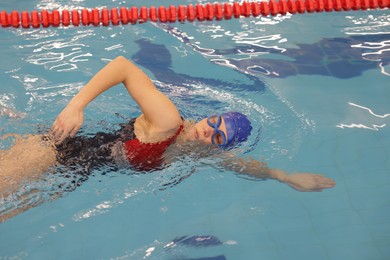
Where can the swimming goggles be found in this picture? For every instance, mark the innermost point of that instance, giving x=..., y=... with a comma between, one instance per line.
x=218, y=136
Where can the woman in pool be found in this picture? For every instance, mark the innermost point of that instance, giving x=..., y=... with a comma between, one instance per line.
x=145, y=142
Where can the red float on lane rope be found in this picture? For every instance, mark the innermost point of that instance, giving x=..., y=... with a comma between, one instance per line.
x=201, y=12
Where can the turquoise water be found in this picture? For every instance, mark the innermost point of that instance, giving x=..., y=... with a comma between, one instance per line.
x=316, y=87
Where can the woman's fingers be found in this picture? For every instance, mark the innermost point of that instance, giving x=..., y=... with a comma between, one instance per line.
x=67, y=124
x=59, y=132
x=63, y=136
x=74, y=131
x=325, y=182
x=56, y=130
x=329, y=184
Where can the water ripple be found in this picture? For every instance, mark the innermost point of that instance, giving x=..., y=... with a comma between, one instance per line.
x=50, y=5
x=373, y=50
x=370, y=24
x=58, y=54
x=366, y=119
x=382, y=50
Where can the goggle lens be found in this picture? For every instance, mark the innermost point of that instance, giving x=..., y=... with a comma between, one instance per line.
x=218, y=136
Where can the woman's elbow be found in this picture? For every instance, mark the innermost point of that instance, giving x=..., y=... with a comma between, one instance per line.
x=126, y=65
x=121, y=59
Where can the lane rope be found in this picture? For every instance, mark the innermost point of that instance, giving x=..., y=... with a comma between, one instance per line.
x=180, y=13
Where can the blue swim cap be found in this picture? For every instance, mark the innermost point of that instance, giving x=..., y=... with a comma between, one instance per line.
x=238, y=128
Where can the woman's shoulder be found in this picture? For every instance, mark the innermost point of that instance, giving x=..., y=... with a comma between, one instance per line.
x=147, y=132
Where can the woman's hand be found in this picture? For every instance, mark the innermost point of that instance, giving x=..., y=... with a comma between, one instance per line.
x=68, y=122
x=309, y=182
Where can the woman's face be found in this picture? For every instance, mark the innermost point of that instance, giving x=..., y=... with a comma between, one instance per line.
x=211, y=130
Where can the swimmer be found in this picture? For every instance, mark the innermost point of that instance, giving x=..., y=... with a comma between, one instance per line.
x=146, y=142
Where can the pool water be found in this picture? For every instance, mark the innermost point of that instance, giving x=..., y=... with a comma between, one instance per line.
x=316, y=87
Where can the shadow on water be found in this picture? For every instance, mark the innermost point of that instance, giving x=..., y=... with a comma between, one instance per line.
x=158, y=59
x=336, y=57
x=210, y=246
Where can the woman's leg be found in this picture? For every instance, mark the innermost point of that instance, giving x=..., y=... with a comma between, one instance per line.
x=26, y=160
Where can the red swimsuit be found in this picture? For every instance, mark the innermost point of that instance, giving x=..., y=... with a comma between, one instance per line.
x=148, y=156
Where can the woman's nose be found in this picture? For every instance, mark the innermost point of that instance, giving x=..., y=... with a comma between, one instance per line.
x=208, y=132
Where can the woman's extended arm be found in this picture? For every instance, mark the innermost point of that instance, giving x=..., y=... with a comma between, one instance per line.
x=298, y=181
x=159, y=112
